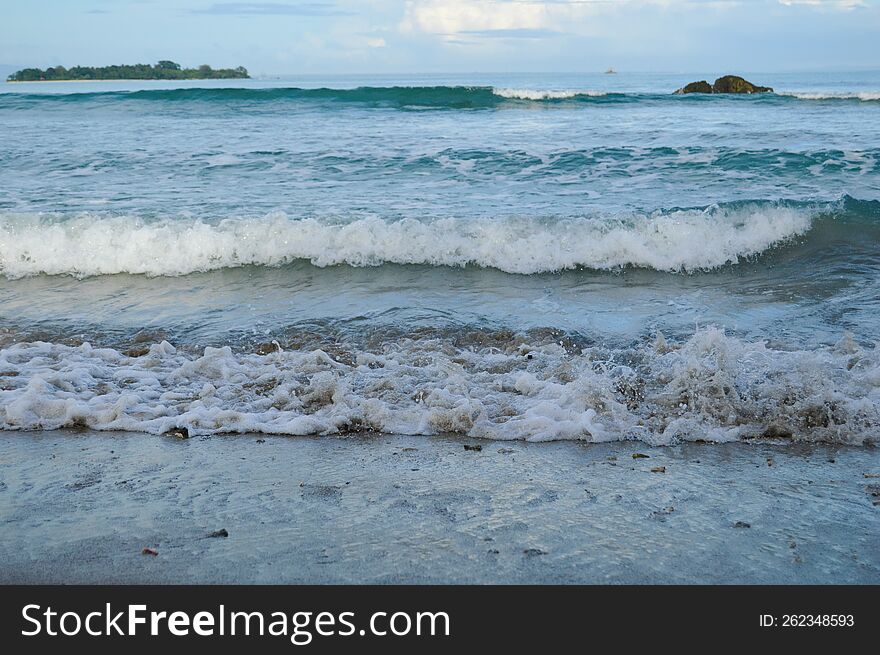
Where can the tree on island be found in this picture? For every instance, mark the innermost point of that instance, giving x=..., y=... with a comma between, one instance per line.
x=164, y=70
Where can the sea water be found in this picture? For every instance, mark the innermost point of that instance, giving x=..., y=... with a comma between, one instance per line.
x=503, y=256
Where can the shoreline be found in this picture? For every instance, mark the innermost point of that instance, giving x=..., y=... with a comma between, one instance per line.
x=79, y=507
x=126, y=79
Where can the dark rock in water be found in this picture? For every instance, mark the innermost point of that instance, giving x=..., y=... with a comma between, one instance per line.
x=736, y=84
x=219, y=533
x=726, y=84
x=478, y=448
x=178, y=433
x=696, y=87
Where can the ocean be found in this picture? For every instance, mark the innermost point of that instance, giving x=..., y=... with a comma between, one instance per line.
x=536, y=257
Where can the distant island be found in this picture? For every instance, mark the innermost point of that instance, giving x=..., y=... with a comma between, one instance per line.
x=164, y=70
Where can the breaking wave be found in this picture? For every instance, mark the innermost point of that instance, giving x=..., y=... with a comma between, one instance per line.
x=676, y=240
x=401, y=97
x=411, y=97
x=538, y=94
x=864, y=96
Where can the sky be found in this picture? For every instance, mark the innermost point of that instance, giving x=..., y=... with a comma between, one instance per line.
x=448, y=36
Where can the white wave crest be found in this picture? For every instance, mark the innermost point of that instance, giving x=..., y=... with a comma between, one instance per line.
x=682, y=240
x=711, y=387
x=545, y=94
x=865, y=96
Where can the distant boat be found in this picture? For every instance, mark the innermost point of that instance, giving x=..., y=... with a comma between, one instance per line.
x=611, y=71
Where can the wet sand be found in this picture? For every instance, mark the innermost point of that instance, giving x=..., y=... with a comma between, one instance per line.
x=80, y=507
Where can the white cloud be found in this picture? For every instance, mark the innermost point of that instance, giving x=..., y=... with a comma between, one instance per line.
x=834, y=4
x=448, y=17
x=453, y=16
x=533, y=17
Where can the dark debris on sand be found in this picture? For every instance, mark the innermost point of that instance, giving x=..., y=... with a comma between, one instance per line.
x=178, y=433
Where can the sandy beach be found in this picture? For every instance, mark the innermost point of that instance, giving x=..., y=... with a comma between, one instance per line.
x=80, y=507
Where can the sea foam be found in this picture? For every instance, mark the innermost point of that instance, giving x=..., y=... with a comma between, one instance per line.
x=711, y=387
x=865, y=96
x=545, y=94
x=93, y=244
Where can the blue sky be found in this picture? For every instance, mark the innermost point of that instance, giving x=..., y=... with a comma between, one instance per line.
x=411, y=36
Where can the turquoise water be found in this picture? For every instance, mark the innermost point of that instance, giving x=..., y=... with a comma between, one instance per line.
x=678, y=267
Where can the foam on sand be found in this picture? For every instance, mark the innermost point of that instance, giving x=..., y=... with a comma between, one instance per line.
x=712, y=387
